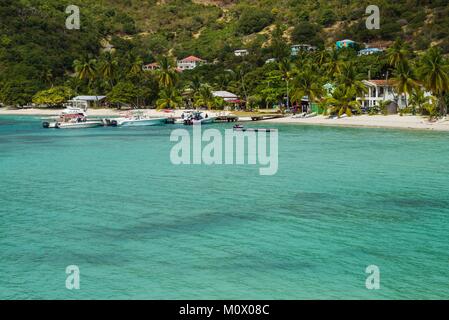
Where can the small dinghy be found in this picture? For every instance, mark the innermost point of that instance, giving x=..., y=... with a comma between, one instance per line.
x=240, y=128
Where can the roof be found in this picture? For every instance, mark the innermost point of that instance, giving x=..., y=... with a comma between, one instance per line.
x=371, y=50
x=89, y=98
x=154, y=64
x=378, y=83
x=224, y=95
x=192, y=59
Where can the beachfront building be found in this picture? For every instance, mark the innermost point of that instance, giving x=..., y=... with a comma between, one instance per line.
x=295, y=49
x=381, y=90
x=91, y=101
x=226, y=96
x=229, y=98
x=151, y=67
x=190, y=63
x=241, y=53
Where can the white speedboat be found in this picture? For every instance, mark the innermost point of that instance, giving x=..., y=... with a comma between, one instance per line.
x=138, y=120
x=199, y=118
x=73, y=117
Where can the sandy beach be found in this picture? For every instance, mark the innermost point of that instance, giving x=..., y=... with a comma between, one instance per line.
x=377, y=121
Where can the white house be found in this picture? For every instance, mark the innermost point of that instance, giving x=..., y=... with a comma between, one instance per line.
x=295, y=49
x=241, y=53
x=369, y=51
x=190, y=63
x=381, y=90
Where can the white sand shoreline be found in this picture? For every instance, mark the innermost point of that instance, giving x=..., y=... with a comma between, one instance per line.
x=377, y=121
x=365, y=121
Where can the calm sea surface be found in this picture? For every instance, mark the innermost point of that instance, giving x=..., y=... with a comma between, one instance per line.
x=109, y=201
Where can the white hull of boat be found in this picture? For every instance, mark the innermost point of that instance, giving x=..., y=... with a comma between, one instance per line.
x=205, y=121
x=80, y=125
x=141, y=122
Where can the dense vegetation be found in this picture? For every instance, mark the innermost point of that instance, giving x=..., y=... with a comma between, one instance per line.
x=41, y=61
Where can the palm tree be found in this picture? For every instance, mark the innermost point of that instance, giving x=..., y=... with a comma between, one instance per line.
x=434, y=75
x=349, y=77
x=107, y=68
x=398, y=53
x=205, y=97
x=195, y=85
x=307, y=84
x=85, y=69
x=287, y=70
x=136, y=67
x=343, y=101
x=333, y=64
x=166, y=74
x=417, y=100
x=169, y=98
x=404, y=80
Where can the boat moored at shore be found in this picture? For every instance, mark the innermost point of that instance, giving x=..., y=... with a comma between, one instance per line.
x=138, y=119
x=73, y=117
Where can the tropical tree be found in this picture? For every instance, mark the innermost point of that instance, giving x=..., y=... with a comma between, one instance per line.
x=195, y=85
x=433, y=73
x=166, y=74
x=107, y=68
x=418, y=100
x=169, y=98
x=205, y=97
x=307, y=84
x=349, y=77
x=136, y=67
x=404, y=80
x=54, y=96
x=343, y=101
x=124, y=92
x=286, y=69
x=333, y=64
x=398, y=53
x=85, y=69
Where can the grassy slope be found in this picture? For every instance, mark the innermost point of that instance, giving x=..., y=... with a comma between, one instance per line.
x=200, y=25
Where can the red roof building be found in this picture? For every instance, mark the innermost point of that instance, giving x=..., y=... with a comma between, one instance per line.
x=190, y=63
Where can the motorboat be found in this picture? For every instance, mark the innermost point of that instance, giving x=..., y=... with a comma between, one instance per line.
x=199, y=118
x=73, y=117
x=240, y=128
x=138, y=119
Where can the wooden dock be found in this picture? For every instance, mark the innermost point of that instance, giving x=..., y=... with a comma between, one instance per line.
x=228, y=118
x=261, y=117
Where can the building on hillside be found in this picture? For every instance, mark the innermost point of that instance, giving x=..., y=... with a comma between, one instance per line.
x=272, y=60
x=345, y=44
x=190, y=63
x=369, y=51
x=295, y=49
x=151, y=67
x=241, y=53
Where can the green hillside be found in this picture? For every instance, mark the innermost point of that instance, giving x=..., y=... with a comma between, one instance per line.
x=37, y=52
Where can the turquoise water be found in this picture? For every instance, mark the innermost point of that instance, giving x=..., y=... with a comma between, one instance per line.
x=109, y=201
